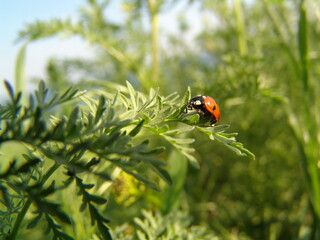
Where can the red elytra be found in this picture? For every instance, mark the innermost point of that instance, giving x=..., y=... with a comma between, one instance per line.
x=212, y=106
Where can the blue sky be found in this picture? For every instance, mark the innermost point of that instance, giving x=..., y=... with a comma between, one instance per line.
x=15, y=14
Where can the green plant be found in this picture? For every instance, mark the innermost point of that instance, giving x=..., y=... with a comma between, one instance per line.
x=260, y=63
x=175, y=225
x=99, y=133
x=305, y=126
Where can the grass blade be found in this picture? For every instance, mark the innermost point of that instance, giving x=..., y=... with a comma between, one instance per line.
x=20, y=76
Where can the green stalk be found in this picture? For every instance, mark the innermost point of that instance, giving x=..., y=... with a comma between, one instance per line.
x=153, y=10
x=242, y=44
x=28, y=203
x=311, y=145
x=20, y=76
x=19, y=219
x=303, y=50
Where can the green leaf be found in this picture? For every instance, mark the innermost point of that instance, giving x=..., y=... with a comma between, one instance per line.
x=148, y=159
x=51, y=208
x=65, y=236
x=53, y=100
x=124, y=101
x=104, y=230
x=93, y=213
x=163, y=174
x=18, y=98
x=71, y=127
x=41, y=93
x=172, y=97
x=181, y=141
x=220, y=128
x=68, y=94
x=93, y=161
x=177, y=168
x=194, y=162
x=133, y=95
x=49, y=190
x=97, y=199
x=9, y=89
x=6, y=199
x=185, y=98
x=162, y=129
x=73, y=117
x=83, y=206
x=180, y=130
x=137, y=129
x=192, y=118
x=33, y=223
x=58, y=131
x=154, y=151
x=88, y=186
x=63, y=217
x=223, y=138
x=100, y=109
x=20, y=78
x=152, y=99
x=143, y=179
x=10, y=170
x=28, y=165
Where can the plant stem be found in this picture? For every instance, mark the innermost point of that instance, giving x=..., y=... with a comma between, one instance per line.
x=50, y=172
x=28, y=203
x=20, y=76
x=311, y=142
x=19, y=219
x=242, y=44
x=153, y=10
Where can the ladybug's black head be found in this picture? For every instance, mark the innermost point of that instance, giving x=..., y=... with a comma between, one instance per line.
x=196, y=102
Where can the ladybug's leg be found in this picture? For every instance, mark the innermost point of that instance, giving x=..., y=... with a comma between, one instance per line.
x=213, y=121
x=189, y=107
x=200, y=112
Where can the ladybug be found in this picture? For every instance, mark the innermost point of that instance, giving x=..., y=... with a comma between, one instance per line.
x=206, y=107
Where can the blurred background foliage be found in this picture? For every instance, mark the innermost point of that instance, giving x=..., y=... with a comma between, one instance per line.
x=260, y=61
